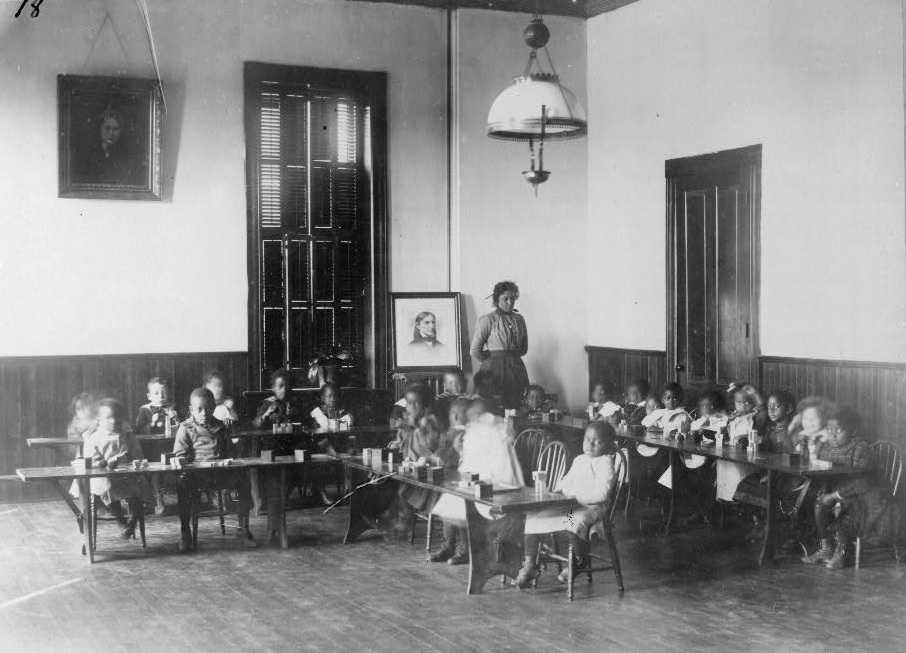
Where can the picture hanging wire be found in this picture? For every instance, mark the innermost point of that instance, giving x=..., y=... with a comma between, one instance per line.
x=143, y=8
x=108, y=19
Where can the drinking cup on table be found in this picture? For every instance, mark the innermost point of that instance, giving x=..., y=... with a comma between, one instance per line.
x=366, y=456
x=299, y=455
x=267, y=455
x=333, y=425
x=539, y=476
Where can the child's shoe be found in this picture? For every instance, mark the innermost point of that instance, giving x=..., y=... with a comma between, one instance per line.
x=579, y=564
x=838, y=559
x=822, y=554
x=527, y=573
x=460, y=555
x=444, y=554
x=129, y=531
x=246, y=538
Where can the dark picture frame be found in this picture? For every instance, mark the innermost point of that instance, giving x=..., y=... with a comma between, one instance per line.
x=109, y=137
x=442, y=349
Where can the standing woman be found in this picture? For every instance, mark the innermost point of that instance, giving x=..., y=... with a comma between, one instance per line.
x=500, y=342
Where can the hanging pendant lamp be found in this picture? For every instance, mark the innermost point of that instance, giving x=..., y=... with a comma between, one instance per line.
x=536, y=106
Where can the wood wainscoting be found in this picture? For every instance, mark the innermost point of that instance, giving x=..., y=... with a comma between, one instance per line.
x=876, y=390
x=617, y=368
x=35, y=393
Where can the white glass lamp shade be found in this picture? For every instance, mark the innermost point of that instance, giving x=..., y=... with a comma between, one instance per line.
x=516, y=112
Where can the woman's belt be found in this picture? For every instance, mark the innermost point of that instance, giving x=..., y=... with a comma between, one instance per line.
x=500, y=353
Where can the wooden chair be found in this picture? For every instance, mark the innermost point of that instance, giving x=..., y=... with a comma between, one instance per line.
x=93, y=521
x=220, y=512
x=528, y=445
x=553, y=459
x=606, y=526
x=888, y=469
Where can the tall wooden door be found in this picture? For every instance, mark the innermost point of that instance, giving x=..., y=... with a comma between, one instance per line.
x=713, y=209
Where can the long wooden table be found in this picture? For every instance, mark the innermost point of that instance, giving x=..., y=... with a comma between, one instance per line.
x=495, y=545
x=771, y=463
x=61, y=477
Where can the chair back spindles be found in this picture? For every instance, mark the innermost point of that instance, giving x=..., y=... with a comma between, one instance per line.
x=622, y=463
x=528, y=445
x=887, y=464
x=553, y=460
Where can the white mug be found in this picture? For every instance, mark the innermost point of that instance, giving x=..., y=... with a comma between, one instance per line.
x=299, y=455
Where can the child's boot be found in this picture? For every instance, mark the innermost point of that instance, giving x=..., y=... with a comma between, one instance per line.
x=822, y=554
x=838, y=559
x=460, y=554
x=449, y=548
x=527, y=573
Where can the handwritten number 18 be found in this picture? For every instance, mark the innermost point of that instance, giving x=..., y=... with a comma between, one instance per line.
x=35, y=8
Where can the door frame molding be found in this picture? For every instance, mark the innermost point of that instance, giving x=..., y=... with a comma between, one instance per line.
x=696, y=165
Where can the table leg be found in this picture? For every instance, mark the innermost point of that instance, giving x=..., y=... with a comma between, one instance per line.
x=369, y=506
x=767, y=547
x=281, y=524
x=88, y=532
x=671, y=456
x=495, y=547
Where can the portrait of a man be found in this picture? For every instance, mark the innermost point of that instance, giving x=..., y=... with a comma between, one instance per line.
x=109, y=137
x=424, y=333
x=426, y=330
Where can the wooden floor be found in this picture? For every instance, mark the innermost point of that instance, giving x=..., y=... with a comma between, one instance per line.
x=687, y=592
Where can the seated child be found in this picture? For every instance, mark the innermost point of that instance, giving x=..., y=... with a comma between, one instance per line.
x=843, y=508
x=807, y=428
x=277, y=409
x=776, y=438
x=158, y=414
x=487, y=450
x=672, y=418
x=711, y=417
x=329, y=407
x=225, y=407
x=203, y=437
x=748, y=420
x=418, y=437
x=157, y=417
x=454, y=386
x=450, y=450
x=83, y=417
x=597, y=400
x=592, y=481
x=634, y=406
x=483, y=385
x=109, y=445
x=534, y=402
x=749, y=417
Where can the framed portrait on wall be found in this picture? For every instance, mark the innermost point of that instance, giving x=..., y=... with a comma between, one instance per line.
x=427, y=332
x=109, y=137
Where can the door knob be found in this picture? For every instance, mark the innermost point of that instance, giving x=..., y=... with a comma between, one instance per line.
x=679, y=367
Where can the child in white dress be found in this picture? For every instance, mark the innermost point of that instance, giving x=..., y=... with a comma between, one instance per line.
x=487, y=450
x=592, y=481
x=110, y=445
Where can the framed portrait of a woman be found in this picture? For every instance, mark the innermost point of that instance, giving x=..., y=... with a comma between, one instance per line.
x=109, y=137
x=427, y=332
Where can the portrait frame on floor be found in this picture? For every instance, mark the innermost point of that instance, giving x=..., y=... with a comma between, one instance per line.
x=109, y=137
x=426, y=331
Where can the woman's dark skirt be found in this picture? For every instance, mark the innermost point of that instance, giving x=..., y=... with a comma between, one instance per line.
x=508, y=376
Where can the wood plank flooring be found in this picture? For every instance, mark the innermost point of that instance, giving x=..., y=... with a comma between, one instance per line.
x=696, y=591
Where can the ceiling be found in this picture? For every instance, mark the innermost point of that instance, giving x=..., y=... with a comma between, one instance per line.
x=578, y=8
